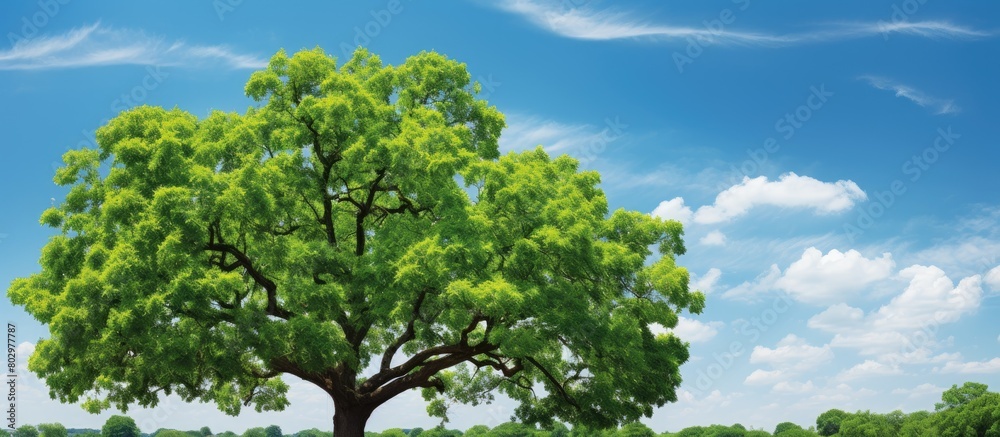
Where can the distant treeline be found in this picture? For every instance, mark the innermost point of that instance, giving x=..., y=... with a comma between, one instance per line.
x=969, y=410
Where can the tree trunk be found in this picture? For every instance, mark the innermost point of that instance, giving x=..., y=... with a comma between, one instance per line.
x=350, y=420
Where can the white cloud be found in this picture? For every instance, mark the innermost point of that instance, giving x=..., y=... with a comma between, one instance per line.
x=919, y=391
x=706, y=283
x=824, y=279
x=690, y=403
x=836, y=318
x=842, y=394
x=750, y=290
x=939, y=106
x=525, y=132
x=920, y=355
x=587, y=23
x=789, y=191
x=869, y=368
x=24, y=350
x=993, y=278
x=792, y=353
x=584, y=142
x=96, y=45
x=764, y=377
x=714, y=238
x=816, y=278
x=695, y=331
x=991, y=366
x=909, y=320
x=790, y=357
x=673, y=209
x=931, y=297
x=792, y=387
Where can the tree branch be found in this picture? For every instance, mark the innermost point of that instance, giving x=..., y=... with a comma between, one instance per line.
x=407, y=335
x=217, y=244
x=559, y=387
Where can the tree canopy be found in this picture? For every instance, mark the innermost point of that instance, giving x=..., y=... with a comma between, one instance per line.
x=957, y=396
x=359, y=217
x=120, y=426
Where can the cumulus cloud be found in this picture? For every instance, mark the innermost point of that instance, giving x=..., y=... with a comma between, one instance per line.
x=792, y=387
x=869, y=368
x=792, y=353
x=992, y=279
x=706, y=283
x=790, y=357
x=764, y=377
x=909, y=320
x=991, y=366
x=98, y=45
x=750, y=290
x=695, y=331
x=841, y=394
x=789, y=191
x=673, y=209
x=919, y=391
x=714, y=238
x=825, y=279
x=817, y=279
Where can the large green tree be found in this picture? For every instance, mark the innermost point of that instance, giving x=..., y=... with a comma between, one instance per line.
x=359, y=217
x=53, y=430
x=120, y=426
x=957, y=396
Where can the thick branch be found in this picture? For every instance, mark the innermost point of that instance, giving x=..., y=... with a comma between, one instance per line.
x=407, y=335
x=424, y=358
x=217, y=244
x=428, y=369
x=495, y=363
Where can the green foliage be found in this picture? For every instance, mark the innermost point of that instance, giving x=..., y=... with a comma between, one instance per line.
x=511, y=429
x=25, y=431
x=981, y=415
x=274, y=431
x=172, y=433
x=415, y=432
x=958, y=396
x=636, y=429
x=785, y=426
x=255, y=432
x=393, y=432
x=52, y=430
x=477, y=431
x=440, y=431
x=558, y=429
x=313, y=432
x=828, y=423
x=120, y=426
x=360, y=212
x=866, y=423
x=205, y=431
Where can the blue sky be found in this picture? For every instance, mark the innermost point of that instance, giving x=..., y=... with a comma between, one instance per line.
x=835, y=169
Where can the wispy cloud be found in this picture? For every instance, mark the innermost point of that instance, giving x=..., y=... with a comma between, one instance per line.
x=939, y=106
x=587, y=23
x=524, y=132
x=98, y=45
